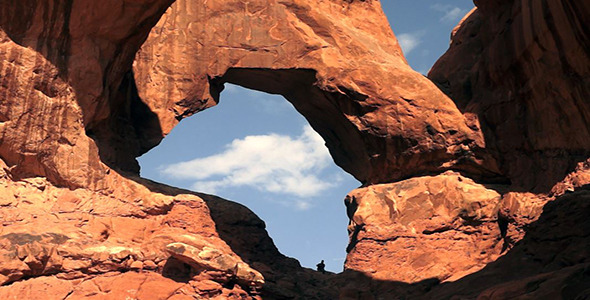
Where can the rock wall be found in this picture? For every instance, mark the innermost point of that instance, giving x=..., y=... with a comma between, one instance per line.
x=522, y=67
x=144, y=241
x=78, y=103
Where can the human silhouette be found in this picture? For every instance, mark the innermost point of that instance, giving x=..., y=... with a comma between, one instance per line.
x=321, y=267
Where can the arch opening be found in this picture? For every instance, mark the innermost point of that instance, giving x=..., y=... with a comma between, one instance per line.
x=255, y=149
x=326, y=111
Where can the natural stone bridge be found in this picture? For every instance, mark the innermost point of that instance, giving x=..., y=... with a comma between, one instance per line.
x=87, y=86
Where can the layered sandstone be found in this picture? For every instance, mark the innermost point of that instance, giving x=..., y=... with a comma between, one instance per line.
x=147, y=241
x=84, y=244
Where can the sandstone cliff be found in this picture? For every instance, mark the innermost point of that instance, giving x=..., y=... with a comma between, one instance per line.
x=484, y=188
x=522, y=67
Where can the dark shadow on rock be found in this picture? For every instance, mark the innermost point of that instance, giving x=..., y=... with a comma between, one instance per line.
x=533, y=114
x=366, y=154
x=325, y=111
x=177, y=270
x=131, y=130
x=553, y=257
x=246, y=235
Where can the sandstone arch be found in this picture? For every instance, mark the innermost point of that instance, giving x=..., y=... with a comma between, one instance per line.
x=65, y=74
x=342, y=74
x=408, y=128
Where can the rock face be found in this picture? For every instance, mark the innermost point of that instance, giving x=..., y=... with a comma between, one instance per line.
x=78, y=103
x=145, y=241
x=522, y=68
x=426, y=227
x=337, y=62
x=506, y=67
x=62, y=63
x=551, y=262
x=83, y=244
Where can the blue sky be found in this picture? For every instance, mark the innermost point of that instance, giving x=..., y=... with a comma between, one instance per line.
x=254, y=148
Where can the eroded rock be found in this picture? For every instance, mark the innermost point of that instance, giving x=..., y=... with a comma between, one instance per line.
x=73, y=117
x=522, y=68
x=208, y=258
x=70, y=236
x=337, y=62
x=440, y=227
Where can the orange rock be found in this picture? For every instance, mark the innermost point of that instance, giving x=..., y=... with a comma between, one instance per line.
x=77, y=223
x=441, y=227
x=331, y=60
x=102, y=236
x=49, y=288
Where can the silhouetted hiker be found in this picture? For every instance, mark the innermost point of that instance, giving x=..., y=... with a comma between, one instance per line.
x=321, y=267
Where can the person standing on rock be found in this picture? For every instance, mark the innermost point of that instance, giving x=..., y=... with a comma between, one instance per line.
x=321, y=267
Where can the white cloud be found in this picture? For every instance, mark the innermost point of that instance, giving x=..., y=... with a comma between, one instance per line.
x=302, y=205
x=409, y=41
x=272, y=163
x=451, y=13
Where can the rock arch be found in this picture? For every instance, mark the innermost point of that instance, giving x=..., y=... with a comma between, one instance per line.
x=68, y=93
x=381, y=120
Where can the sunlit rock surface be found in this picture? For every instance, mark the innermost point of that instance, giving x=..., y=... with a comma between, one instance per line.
x=337, y=62
x=440, y=227
x=89, y=244
x=522, y=67
x=443, y=200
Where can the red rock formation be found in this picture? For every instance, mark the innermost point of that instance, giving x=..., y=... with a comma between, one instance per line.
x=73, y=117
x=132, y=243
x=522, y=68
x=551, y=262
x=505, y=66
x=440, y=227
x=337, y=62
x=62, y=63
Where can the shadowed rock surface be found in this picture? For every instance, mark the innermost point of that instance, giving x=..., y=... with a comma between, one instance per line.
x=522, y=67
x=79, y=101
x=62, y=64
